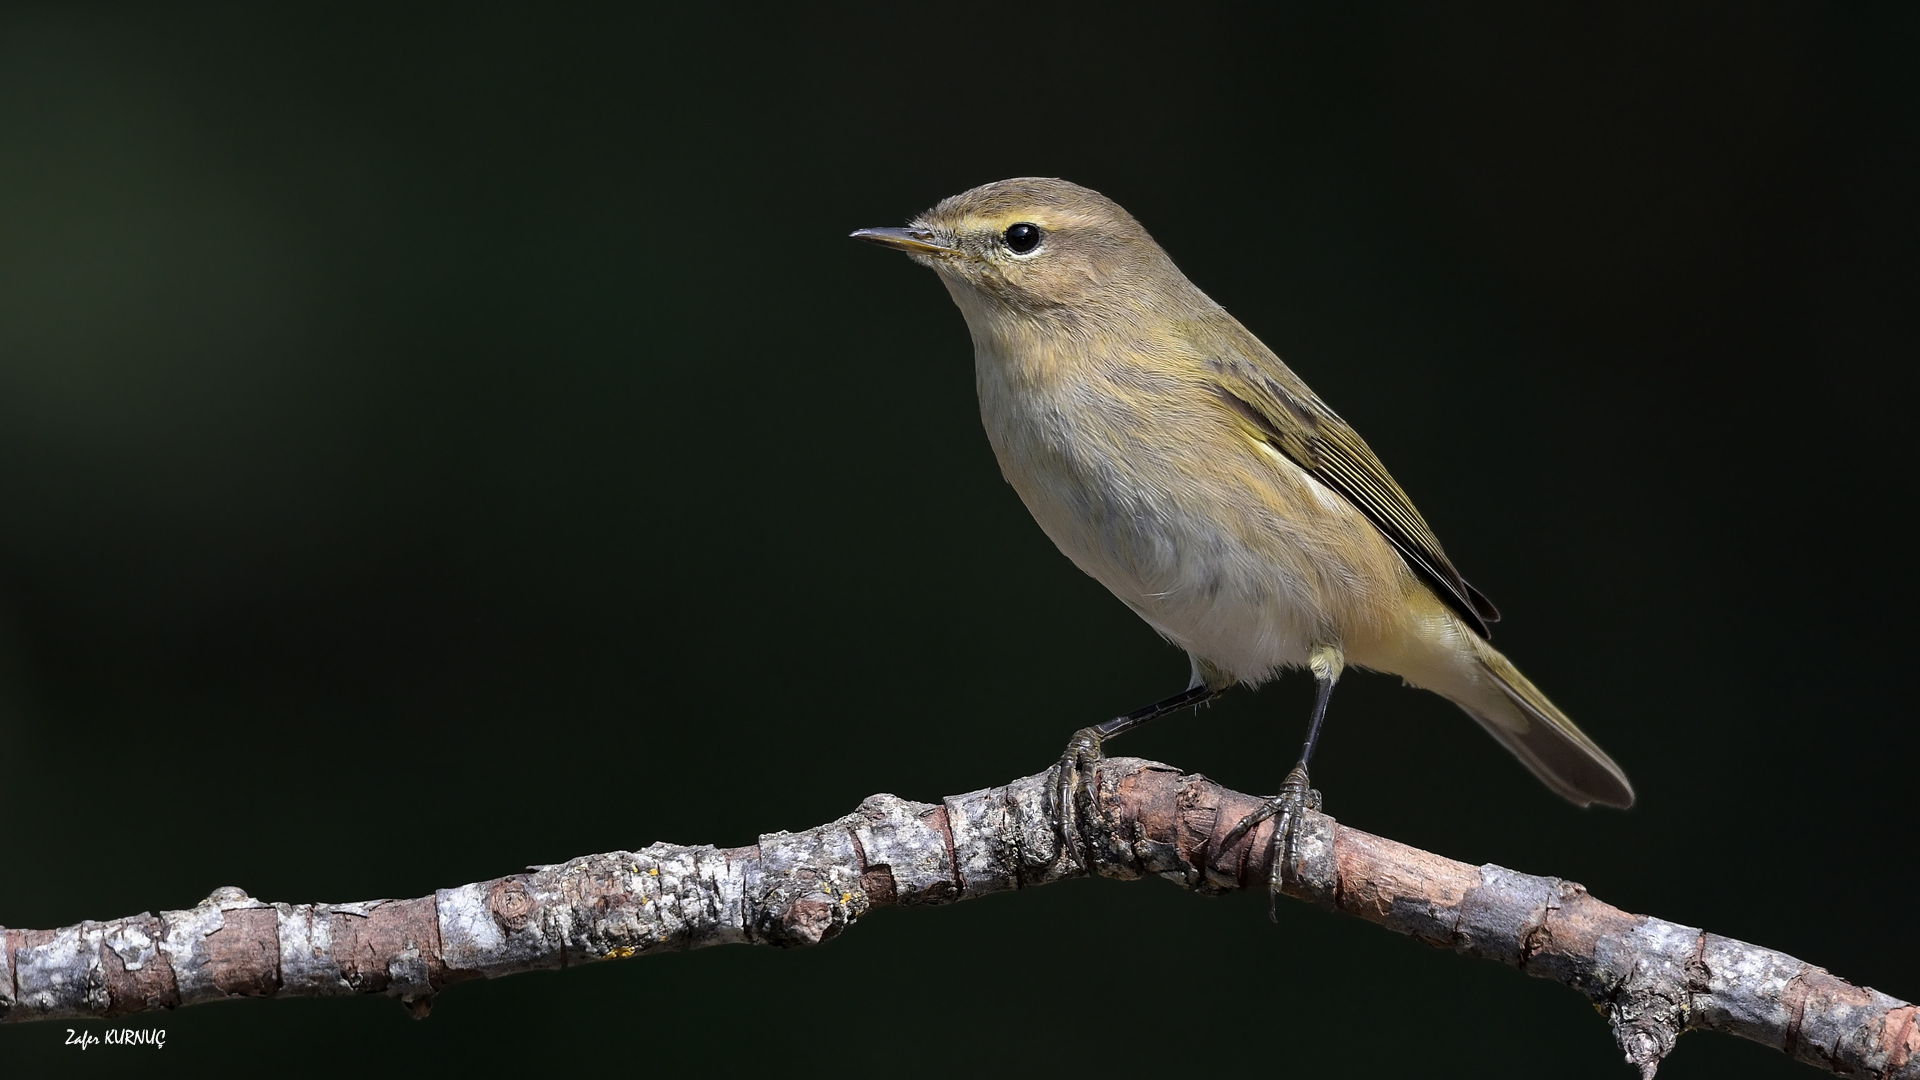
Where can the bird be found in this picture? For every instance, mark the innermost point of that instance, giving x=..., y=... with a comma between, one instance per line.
x=1178, y=461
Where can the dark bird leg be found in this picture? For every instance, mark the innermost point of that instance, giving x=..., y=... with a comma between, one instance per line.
x=1296, y=791
x=1084, y=750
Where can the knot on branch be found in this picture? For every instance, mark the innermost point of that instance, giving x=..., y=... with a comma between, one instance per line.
x=1144, y=818
x=1646, y=1025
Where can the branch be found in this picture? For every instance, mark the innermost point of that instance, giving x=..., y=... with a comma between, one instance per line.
x=1652, y=979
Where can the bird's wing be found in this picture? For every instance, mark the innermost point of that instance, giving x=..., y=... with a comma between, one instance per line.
x=1294, y=421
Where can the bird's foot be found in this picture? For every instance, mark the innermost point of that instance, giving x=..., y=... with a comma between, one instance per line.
x=1075, y=774
x=1296, y=797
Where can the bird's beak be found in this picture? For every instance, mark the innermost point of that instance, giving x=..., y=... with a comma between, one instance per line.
x=911, y=241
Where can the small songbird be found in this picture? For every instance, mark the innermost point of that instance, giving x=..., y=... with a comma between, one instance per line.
x=1174, y=458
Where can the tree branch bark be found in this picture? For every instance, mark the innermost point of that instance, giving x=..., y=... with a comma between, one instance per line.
x=1654, y=980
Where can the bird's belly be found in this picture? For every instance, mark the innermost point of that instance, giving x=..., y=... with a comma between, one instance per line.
x=1201, y=589
x=1241, y=563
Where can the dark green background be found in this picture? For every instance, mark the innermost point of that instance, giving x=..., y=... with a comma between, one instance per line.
x=433, y=442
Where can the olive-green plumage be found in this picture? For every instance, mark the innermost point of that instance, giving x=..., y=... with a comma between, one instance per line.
x=1174, y=458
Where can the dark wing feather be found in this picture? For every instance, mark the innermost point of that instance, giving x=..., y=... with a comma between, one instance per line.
x=1299, y=425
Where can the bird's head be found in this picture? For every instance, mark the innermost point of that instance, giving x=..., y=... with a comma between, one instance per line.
x=1036, y=248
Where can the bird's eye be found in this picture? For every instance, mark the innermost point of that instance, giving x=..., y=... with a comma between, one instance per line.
x=1022, y=238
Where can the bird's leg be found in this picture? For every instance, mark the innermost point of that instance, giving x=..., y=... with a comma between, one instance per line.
x=1296, y=791
x=1084, y=750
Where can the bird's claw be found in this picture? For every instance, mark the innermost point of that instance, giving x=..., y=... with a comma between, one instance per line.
x=1296, y=796
x=1076, y=772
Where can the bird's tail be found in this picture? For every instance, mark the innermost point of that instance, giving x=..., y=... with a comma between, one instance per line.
x=1515, y=712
